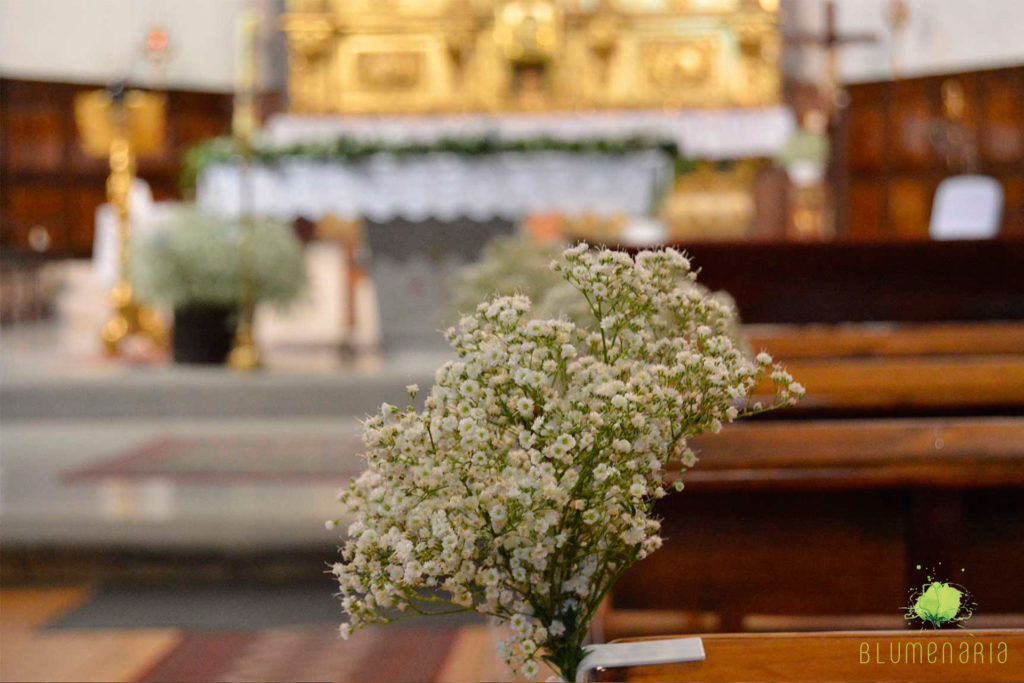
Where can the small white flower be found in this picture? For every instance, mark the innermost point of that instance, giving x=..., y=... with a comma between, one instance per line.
x=530, y=669
x=524, y=406
x=519, y=622
x=345, y=630
x=498, y=513
x=413, y=389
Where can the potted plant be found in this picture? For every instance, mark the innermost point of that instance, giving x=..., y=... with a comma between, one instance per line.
x=193, y=263
x=525, y=485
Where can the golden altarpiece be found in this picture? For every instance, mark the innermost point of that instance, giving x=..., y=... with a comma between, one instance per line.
x=427, y=56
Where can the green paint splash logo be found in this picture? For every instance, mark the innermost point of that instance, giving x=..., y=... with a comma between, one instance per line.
x=939, y=604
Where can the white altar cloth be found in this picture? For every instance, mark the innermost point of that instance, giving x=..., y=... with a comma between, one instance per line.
x=508, y=185
x=712, y=134
x=443, y=185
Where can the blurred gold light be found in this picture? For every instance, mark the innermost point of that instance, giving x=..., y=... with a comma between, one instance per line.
x=769, y=5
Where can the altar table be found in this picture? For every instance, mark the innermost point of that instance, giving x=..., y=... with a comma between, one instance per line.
x=416, y=181
x=991, y=655
x=509, y=185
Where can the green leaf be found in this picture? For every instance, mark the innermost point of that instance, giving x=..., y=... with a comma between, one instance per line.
x=939, y=603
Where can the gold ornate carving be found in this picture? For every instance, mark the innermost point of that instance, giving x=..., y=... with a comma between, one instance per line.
x=419, y=56
x=712, y=204
x=527, y=31
x=386, y=71
x=680, y=64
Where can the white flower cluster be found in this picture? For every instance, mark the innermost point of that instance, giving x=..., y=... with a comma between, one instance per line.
x=525, y=486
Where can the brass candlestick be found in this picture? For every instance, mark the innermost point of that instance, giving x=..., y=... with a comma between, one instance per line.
x=119, y=125
x=245, y=355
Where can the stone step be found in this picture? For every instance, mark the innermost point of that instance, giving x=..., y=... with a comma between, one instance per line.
x=177, y=392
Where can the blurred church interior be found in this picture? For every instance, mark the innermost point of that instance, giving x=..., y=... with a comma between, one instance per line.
x=851, y=172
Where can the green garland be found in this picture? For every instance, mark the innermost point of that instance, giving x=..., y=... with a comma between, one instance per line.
x=340, y=150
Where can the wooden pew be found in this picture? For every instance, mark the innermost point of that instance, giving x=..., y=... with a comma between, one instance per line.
x=843, y=454
x=908, y=451
x=888, y=339
x=975, y=655
x=892, y=369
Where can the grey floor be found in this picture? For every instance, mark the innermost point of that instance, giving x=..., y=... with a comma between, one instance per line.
x=62, y=409
x=37, y=506
x=219, y=607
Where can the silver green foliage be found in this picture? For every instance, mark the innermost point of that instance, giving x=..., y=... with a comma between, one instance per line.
x=195, y=258
x=517, y=264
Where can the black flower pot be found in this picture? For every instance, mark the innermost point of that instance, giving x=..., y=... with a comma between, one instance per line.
x=204, y=333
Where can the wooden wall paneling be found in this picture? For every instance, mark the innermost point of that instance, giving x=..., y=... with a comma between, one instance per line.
x=838, y=175
x=6, y=230
x=84, y=197
x=910, y=205
x=1002, y=130
x=165, y=188
x=197, y=116
x=910, y=115
x=36, y=204
x=909, y=164
x=1013, y=208
x=867, y=129
x=972, y=122
x=39, y=151
x=35, y=139
x=867, y=209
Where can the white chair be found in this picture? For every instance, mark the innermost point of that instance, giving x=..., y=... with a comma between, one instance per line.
x=967, y=207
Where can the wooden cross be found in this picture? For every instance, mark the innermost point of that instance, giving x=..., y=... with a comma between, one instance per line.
x=831, y=42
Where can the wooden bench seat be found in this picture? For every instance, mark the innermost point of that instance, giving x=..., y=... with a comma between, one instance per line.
x=893, y=385
x=886, y=453
x=793, y=342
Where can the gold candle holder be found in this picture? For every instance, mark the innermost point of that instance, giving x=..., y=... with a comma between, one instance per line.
x=245, y=354
x=119, y=126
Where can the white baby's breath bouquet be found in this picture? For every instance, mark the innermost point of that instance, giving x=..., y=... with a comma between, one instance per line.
x=525, y=486
x=194, y=259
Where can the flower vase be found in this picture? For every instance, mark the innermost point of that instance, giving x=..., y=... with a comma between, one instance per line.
x=203, y=334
